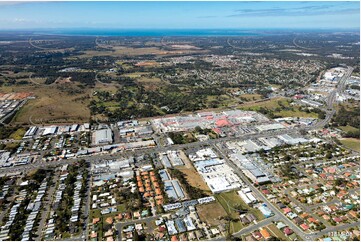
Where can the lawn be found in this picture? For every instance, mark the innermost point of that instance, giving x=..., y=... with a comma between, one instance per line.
x=18, y=134
x=277, y=233
x=234, y=201
x=351, y=143
x=95, y=213
x=228, y=201
x=211, y=213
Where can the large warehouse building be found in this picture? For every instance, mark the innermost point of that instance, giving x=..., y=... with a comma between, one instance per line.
x=102, y=137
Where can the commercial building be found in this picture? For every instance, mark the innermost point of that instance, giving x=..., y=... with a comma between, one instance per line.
x=269, y=127
x=209, y=120
x=291, y=140
x=218, y=175
x=51, y=130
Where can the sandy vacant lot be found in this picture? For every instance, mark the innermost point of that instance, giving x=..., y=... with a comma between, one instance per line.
x=211, y=213
x=194, y=179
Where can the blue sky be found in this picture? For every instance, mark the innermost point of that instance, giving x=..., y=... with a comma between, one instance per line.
x=247, y=14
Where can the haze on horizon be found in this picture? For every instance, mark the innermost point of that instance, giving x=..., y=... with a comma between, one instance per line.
x=180, y=15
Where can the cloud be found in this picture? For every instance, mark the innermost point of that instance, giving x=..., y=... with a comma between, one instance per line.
x=20, y=20
x=312, y=10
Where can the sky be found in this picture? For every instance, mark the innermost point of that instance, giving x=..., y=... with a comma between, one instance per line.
x=180, y=15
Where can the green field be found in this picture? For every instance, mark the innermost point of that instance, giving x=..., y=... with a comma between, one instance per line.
x=349, y=128
x=296, y=113
x=273, y=104
x=270, y=104
x=351, y=143
x=231, y=200
x=274, y=230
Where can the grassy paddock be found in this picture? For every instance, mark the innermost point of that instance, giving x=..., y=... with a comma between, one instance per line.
x=351, y=143
x=349, y=128
x=18, y=134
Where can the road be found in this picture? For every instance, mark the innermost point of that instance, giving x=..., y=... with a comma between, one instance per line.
x=301, y=47
x=37, y=47
x=47, y=202
x=87, y=209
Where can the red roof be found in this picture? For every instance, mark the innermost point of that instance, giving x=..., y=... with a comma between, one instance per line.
x=323, y=175
x=286, y=210
x=222, y=122
x=265, y=191
x=287, y=231
x=312, y=220
x=217, y=130
x=337, y=220
x=304, y=226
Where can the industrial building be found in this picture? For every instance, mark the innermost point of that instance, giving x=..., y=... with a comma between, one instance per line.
x=102, y=136
x=30, y=132
x=174, y=158
x=163, y=175
x=165, y=161
x=135, y=130
x=50, y=130
x=4, y=157
x=249, y=169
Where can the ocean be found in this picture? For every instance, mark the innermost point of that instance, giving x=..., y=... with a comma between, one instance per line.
x=151, y=32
